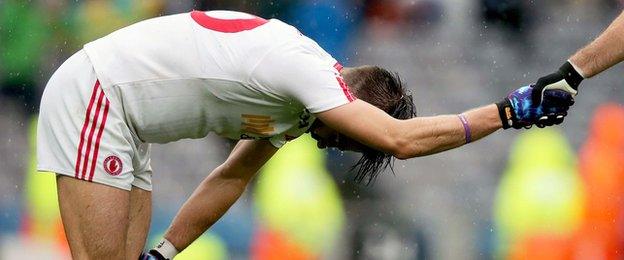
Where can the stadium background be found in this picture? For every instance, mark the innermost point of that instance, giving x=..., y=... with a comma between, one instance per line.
x=538, y=194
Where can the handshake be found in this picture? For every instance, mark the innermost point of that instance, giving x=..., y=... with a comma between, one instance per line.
x=543, y=104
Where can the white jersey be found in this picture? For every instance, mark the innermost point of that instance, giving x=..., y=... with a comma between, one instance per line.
x=240, y=76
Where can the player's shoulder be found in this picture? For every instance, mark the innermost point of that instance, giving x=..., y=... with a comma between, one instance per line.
x=295, y=44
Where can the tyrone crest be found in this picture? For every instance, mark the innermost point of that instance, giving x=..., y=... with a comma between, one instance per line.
x=113, y=165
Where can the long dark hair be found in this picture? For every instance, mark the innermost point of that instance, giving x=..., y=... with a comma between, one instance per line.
x=384, y=90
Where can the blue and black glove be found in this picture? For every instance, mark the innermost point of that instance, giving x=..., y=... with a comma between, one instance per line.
x=517, y=110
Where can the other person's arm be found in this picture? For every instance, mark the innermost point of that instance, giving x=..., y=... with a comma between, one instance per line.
x=602, y=53
x=216, y=194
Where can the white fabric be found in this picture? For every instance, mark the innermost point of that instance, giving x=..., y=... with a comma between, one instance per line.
x=560, y=85
x=177, y=79
x=82, y=133
x=166, y=249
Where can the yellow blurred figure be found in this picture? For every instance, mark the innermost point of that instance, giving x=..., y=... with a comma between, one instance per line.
x=297, y=199
x=42, y=220
x=539, y=203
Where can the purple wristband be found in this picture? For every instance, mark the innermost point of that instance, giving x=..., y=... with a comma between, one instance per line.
x=462, y=118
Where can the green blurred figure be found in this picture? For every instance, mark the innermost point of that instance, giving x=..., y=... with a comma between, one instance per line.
x=24, y=35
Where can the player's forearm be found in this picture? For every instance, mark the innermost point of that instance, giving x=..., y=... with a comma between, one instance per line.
x=214, y=196
x=429, y=135
x=604, y=52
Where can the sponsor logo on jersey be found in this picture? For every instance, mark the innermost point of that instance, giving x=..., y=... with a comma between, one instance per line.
x=257, y=124
x=113, y=165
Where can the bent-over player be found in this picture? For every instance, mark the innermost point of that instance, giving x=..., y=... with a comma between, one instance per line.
x=242, y=77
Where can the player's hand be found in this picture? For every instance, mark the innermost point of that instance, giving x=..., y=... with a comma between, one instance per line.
x=517, y=110
x=151, y=255
x=566, y=79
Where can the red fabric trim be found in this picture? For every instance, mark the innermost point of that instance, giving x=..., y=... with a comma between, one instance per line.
x=84, y=127
x=90, y=139
x=226, y=25
x=99, y=137
x=345, y=89
x=338, y=66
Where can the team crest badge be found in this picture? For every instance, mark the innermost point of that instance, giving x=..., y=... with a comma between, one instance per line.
x=113, y=165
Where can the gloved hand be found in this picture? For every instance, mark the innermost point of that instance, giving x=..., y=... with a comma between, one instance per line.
x=517, y=110
x=566, y=79
x=151, y=255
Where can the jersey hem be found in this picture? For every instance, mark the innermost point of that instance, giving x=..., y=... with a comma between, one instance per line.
x=72, y=174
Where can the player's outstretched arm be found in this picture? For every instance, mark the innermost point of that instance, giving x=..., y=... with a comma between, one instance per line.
x=427, y=135
x=408, y=138
x=602, y=53
x=215, y=195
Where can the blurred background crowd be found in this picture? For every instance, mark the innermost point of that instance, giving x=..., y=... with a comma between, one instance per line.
x=554, y=193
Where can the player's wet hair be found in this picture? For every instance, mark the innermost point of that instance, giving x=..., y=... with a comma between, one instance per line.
x=384, y=90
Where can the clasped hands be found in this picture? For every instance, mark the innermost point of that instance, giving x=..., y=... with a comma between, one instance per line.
x=544, y=103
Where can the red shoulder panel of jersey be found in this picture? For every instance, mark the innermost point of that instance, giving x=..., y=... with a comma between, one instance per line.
x=226, y=25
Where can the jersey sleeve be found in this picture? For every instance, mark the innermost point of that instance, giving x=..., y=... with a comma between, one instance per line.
x=305, y=75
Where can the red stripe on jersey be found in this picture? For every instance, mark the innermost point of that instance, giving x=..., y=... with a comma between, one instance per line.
x=84, y=127
x=345, y=89
x=226, y=25
x=98, y=138
x=90, y=139
x=338, y=66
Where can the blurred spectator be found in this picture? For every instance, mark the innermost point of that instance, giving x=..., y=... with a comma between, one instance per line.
x=265, y=9
x=511, y=23
x=509, y=14
x=601, y=157
x=96, y=18
x=298, y=206
x=24, y=34
x=332, y=24
x=390, y=19
x=539, y=201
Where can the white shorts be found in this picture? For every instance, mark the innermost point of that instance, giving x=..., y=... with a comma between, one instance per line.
x=82, y=131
